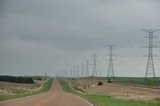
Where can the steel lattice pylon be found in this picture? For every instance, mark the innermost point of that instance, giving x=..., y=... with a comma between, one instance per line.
x=94, y=72
x=82, y=73
x=110, y=73
x=87, y=68
x=150, y=71
x=77, y=71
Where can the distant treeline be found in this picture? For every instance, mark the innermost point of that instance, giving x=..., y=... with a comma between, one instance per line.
x=26, y=80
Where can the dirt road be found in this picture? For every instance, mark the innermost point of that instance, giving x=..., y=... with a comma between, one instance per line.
x=55, y=97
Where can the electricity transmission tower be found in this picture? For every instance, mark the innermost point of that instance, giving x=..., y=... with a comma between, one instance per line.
x=66, y=74
x=94, y=72
x=45, y=75
x=74, y=71
x=30, y=57
x=77, y=71
x=150, y=71
x=71, y=73
x=110, y=73
x=87, y=68
x=82, y=73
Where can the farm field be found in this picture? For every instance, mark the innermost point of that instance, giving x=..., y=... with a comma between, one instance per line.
x=116, y=90
x=140, y=81
x=15, y=90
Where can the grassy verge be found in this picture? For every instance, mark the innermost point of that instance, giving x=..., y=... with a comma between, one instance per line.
x=67, y=88
x=46, y=86
x=101, y=100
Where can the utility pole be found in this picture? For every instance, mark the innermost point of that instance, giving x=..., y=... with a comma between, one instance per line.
x=94, y=72
x=110, y=73
x=150, y=71
x=87, y=68
x=82, y=73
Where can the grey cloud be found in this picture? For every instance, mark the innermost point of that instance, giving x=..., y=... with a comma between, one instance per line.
x=72, y=25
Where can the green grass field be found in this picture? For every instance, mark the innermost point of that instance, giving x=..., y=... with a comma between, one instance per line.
x=136, y=81
x=46, y=86
x=101, y=100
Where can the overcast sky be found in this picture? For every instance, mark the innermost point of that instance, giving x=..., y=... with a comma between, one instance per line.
x=60, y=34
